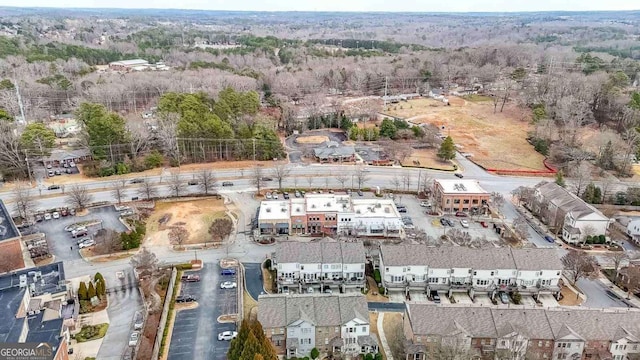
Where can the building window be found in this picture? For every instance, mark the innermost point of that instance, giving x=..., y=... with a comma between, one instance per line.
x=364, y=329
x=465, y=201
x=482, y=282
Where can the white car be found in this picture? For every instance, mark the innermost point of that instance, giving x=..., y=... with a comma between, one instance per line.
x=275, y=196
x=425, y=204
x=133, y=339
x=87, y=244
x=464, y=223
x=72, y=164
x=310, y=290
x=227, y=335
x=268, y=195
x=47, y=216
x=228, y=285
x=56, y=215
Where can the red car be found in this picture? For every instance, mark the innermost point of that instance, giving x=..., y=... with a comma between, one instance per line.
x=461, y=214
x=484, y=224
x=190, y=278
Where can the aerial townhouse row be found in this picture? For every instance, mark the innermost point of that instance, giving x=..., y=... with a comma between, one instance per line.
x=297, y=323
x=462, y=269
x=331, y=214
x=319, y=266
x=517, y=333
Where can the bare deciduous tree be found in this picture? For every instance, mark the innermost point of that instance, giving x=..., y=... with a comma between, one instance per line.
x=79, y=197
x=341, y=178
x=147, y=190
x=176, y=185
x=523, y=194
x=118, y=189
x=396, y=182
x=310, y=180
x=107, y=242
x=168, y=135
x=581, y=175
x=521, y=228
x=220, y=229
x=178, y=235
x=206, y=180
x=406, y=180
x=280, y=172
x=24, y=202
x=257, y=178
x=497, y=199
x=618, y=258
x=361, y=176
x=578, y=265
x=145, y=261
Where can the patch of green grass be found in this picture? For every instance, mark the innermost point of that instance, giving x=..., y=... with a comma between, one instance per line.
x=92, y=332
x=476, y=98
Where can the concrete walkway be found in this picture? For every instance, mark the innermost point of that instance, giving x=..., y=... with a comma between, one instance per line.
x=383, y=339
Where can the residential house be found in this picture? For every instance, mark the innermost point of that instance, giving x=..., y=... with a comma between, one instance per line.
x=633, y=230
x=566, y=213
x=127, y=65
x=295, y=324
x=461, y=269
x=333, y=152
x=318, y=266
x=467, y=196
x=521, y=333
x=36, y=308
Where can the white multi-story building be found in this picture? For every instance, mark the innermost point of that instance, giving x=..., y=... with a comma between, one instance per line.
x=331, y=214
x=318, y=266
x=297, y=323
x=452, y=269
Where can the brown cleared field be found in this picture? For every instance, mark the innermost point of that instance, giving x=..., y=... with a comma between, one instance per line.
x=312, y=139
x=195, y=216
x=495, y=140
x=427, y=158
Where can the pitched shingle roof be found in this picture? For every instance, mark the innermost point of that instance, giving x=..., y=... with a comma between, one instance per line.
x=565, y=200
x=529, y=322
x=428, y=319
x=320, y=252
x=463, y=257
x=280, y=310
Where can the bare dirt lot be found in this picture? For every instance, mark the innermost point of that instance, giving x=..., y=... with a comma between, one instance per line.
x=427, y=158
x=195, y=216
x=312, y=139
x=496, y=140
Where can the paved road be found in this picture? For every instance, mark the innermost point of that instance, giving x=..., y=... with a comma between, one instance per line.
x=195, y=332
x=599, y=296
x=253, y=279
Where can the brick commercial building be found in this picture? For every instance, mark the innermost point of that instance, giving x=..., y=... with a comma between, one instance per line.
x=460, y=195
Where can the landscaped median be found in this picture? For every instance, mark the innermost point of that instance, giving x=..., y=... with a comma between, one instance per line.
x=91, y=332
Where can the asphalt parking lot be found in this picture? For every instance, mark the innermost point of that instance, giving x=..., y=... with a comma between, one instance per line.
x=61, y=244
x=195, y=331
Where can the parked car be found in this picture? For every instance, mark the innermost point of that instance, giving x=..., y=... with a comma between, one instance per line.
x=80, y=232
x=48, y=166
x=53, y=187
x=275, y=196
x=57, y=172
x=285, y=195
x=227, y=183
x=402, y=210
x=360, y=193
x=71, y=227
x=192, y=182
x=443, y=222
x=137, y=181
x=72, y=164
x=328, y=290
x=484, y=224
x=55, y=215
x=266, y=178
x=268, y=195
x=133, y=338
x=68, y=171
x=464, y=223
x=425, y=204
x=227, y=335
x=64, y=212
x=310, y=290
x=185, y=298
x=190, y=278
x=86, y=244
x=228, y=272
x=47, y=216
x=297, y=194
x=549, y=239
x=435, y=297
x=81, y=240
x=461, y=214
x=450, y=223
x=228, y=285
x=50, y=173
x=458, y=175
x=504, y=298
x=127, y=213
x=138, y=320
x=65, y=165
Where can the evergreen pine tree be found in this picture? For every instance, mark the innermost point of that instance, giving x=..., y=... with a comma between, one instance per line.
x=258, y=357
x=251, y=347
x=447, y=149
x=267, y=350
x=235, y=348
x=82, y=291
x=98, y=277
x=91, y=292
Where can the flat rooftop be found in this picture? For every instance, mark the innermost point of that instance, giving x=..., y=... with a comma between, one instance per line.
x=375, y=208
x=327, y=203
x=274, y=210
x=461, y=186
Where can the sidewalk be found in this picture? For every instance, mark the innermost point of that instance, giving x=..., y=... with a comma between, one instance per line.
x=621, y=293
x=383, y=339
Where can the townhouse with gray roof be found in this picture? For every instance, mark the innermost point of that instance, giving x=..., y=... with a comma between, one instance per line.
x=521, y=333
x=566, y=213
x=460, y=269
x=319, y=266
x=297, y=323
